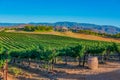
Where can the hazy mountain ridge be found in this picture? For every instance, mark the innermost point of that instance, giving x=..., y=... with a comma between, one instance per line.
x=98, y=28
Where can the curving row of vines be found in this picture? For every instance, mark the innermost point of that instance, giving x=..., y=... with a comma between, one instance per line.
x=48, y=47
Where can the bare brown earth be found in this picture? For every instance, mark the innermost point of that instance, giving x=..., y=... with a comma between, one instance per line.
x=74, y=35
x=109, y=71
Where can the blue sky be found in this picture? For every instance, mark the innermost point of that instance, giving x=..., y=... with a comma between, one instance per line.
x=83, y=11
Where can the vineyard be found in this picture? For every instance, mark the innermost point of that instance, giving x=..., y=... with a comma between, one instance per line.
x=45, y=48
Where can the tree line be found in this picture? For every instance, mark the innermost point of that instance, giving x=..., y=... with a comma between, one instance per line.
x=37, y=28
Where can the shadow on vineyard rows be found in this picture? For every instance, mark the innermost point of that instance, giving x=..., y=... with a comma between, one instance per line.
x=42, y=56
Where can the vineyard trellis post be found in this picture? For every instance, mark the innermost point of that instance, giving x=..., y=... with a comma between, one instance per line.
x=5, y=68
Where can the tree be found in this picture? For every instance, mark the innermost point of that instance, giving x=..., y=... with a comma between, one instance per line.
x=29, y=28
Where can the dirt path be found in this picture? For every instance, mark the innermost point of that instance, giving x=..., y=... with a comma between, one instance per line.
x=114, y=75
x=111, y=71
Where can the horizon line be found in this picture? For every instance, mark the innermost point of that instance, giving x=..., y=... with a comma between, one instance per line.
x=61, y=21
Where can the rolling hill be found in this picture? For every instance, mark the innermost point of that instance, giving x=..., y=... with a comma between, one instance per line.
x=73, y=35
x=85, y=26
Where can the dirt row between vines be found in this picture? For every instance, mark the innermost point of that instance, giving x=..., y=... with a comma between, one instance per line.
x=109, y=71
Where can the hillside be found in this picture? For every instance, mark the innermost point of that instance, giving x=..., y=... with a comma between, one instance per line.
x=24, y=41
x=74, y=35
x=34, y=51
x=85, y=26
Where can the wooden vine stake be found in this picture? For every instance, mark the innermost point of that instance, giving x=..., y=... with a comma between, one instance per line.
x=5, y=68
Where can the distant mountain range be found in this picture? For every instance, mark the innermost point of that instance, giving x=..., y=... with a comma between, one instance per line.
x=98, y=28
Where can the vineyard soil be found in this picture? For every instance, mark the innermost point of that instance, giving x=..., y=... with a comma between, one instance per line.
x=109, y=71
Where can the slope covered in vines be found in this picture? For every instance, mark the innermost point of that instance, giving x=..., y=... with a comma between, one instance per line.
x=47, y=47
x=13, y=41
